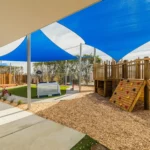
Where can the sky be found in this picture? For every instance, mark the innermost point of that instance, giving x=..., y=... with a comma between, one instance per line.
x=69, y=41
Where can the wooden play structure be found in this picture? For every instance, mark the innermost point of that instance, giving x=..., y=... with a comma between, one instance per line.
x=124, y=82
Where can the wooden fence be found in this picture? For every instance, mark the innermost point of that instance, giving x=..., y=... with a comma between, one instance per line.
x=7, y=78
x=124, y=69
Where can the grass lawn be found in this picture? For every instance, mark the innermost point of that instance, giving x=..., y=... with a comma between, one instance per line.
x=22, y=91
x=85, y=144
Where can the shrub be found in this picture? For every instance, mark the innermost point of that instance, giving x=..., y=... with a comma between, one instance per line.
x=12, y=101
x=4, y=98
x=19, y=102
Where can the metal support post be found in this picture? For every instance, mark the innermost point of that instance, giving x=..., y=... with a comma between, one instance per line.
x=80, y=71
x=29, y=71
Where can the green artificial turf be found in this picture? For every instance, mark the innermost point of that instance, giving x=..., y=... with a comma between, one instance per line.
x=85, y=144
x=22, y=91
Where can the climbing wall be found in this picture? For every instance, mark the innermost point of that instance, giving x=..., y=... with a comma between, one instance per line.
x=127, y=93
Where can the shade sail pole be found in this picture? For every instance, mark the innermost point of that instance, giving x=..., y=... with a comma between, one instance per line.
x=29, y=71
x=14, y=75
x=10, y=68
x=66, y=72
x=94, y=55
x=80, y=71
x=94, y=63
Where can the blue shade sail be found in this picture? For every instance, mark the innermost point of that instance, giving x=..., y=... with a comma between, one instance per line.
x=114, y=26
x=42, y=49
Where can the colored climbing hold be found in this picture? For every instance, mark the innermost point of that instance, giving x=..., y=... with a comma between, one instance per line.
x=128, y=97
x=126, y=107
x=134, y=89
x=121, y=89
x=131, y=84
x=128, y=80
x=121, y=84
x=120, y=104
x=115, y=93
x=120, y=97
x=138, y=83
x=114, y=101
x=127, y=92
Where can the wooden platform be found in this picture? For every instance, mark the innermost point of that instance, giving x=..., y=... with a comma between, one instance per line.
x=127, y=93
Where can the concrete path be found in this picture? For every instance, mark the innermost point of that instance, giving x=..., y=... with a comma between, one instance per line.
x=21, y=130
x=68, y=96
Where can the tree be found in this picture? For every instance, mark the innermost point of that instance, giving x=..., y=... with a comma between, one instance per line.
x=38, y=66
x=52, y=68
x=87, y=66
x=16, y=69
x=73, y=69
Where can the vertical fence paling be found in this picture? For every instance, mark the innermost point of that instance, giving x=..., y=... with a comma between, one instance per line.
x=125, y=69
x=137, y=69
x=117, y=71
x=7, y=78
x=142, y=72
x=149, y=69
x=120, y=70
x=146, y=90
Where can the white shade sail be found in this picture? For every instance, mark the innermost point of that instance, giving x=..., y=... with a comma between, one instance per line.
x=21, y=17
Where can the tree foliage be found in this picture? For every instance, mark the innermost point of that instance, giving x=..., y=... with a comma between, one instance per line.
x=58, y=70
x=12, y=69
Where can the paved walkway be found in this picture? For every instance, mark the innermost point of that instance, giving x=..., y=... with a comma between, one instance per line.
x=22, y=130
x=68, y=96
